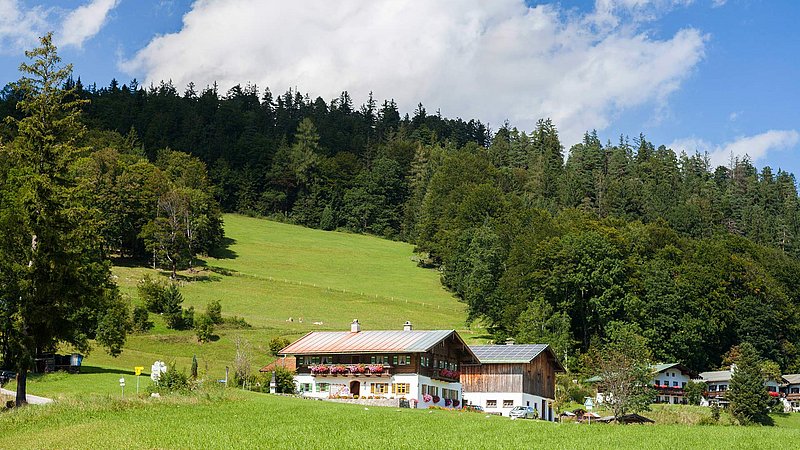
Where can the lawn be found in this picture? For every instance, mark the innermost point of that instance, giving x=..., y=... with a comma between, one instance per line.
x=248, y=420
x=270, y=272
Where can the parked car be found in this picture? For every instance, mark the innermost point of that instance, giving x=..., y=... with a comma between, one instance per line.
x=523, y=412
x=6, y=376
x=475, y=408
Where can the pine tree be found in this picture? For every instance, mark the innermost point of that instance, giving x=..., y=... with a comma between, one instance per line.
x=749, y=400
x=55, y=284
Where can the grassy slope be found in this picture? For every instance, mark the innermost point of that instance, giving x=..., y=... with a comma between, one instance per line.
x=262, y=421
x=273, y=271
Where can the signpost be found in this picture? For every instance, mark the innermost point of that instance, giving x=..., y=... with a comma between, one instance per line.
x=138, y=371
x=122, y=385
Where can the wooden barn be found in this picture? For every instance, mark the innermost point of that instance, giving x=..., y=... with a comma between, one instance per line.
x=512, y=375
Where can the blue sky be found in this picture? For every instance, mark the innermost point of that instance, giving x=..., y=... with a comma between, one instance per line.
x=709, y=75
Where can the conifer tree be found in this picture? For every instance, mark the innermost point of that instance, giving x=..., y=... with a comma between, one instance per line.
x=748, y=396
x=56, y=283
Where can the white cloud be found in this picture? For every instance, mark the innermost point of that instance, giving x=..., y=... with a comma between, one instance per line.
x=718, y=3
x=85, y=21
x=19, y=26
x=475, y=59
x=756, y=147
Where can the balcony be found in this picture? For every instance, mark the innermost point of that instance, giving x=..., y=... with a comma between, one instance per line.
x=451, y=376
x=665, y=389
x=347, y=370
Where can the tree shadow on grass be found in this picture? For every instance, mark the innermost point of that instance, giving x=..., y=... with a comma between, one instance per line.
x=95, y=369
x=224, y=250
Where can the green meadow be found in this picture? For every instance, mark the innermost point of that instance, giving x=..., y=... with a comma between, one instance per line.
x=235, y=419
x=272, y=272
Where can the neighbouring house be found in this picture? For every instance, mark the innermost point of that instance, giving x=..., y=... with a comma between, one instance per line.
x=421, y=367
x=790, y=391
x=670, y=382
x=512, y=375
x=718, y=383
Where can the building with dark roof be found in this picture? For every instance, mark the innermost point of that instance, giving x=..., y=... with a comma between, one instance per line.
x=512, y=375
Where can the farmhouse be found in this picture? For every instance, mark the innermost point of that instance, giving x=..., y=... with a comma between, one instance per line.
x=512, y=375
x=791, y=391
x=669, y=382
x=718, y=382
x=421, y=367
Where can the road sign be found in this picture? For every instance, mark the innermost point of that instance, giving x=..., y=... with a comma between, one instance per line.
x=138, y=370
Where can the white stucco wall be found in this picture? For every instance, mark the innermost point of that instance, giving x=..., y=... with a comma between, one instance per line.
x=518, y=399
x=340, y=386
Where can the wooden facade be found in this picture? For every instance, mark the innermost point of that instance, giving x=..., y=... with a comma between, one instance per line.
x=536, y=377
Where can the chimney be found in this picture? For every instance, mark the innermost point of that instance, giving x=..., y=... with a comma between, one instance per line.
x=355, y=327
x=407, y=326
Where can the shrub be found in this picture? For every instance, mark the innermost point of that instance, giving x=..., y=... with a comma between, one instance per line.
x=194, y=366
x=277, y=343
x=694, y=392
x=152, y=293
x=173, y=380
x=235, y=322
x=214, y=312
x=187, y=318
x=204, y=328
x=141, y=320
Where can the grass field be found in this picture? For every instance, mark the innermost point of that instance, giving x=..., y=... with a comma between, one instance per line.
x=248, y=420
x=270, y=272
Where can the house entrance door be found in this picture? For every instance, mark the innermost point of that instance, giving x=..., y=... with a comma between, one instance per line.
x=355, y=387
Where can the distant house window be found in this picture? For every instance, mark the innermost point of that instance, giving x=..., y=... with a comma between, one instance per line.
x=772, y=389
x=315, y=360
x=508, y=403
x=401, y=388
x=795, y=390
x=683, y=384
x=491, y=403
x=379, y=388
x=658, y=382
x=675, y=400
x=723, y=387
x=323, y=387
x=712, y=388
x=675, y=383
x=326, y=360
x=305, y=387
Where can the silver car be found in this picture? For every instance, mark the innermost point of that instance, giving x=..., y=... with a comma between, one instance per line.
x=523, y=412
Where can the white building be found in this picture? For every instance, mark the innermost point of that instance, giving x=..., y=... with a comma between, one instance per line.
x=422, y=367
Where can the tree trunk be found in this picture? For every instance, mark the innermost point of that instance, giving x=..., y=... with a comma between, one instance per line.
x=22, y=387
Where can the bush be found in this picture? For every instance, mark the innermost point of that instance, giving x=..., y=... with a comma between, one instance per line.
x=187, y=318
x=173, y=380
x=277, y=343
x=152, y=293
x=172, y=310
x=694, y=392
x=235, y=322
x=204, y=327
x=141, y=320
x=214, y=312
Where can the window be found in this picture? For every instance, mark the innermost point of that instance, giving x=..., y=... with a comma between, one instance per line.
x=450, y=393
x=658, y=382
x=712, y=388
x=379, y=359
x=508, y=403
x=675, y=383
x=323, y=387
x=395, y=360
x=315, y=360
x=683, y=384
x=675, y=400
x=795, y=390
x=401, y=388
x=430, y=390
x=405, y=360
x=723, y=387
x=379, y=388
x=305, y=387
x=491, y=403
x=326, y=360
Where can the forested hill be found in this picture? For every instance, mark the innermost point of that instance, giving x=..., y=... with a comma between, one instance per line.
x=541, y=247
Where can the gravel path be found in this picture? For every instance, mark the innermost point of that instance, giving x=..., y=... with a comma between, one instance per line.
x=32, y=399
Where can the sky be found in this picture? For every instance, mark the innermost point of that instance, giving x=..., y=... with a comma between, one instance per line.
x=716, y=76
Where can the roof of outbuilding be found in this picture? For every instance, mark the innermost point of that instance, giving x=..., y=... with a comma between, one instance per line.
x=658, y=368
x=513, y=354
x=521, y=353
x=792, y=378
x=717, y=375
x=416, y=341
